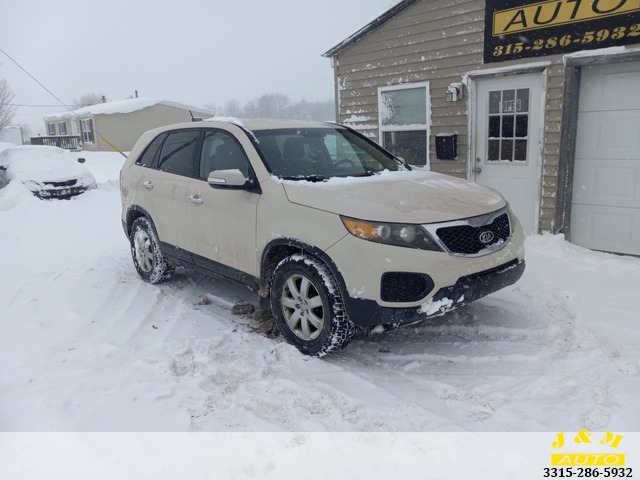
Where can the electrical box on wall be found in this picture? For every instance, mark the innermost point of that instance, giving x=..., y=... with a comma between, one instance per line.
x=447, y=146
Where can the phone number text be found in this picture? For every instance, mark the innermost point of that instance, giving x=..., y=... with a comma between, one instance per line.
x=566, y=40
x=588, y=472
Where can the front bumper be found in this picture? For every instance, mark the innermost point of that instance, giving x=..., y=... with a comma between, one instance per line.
x=369, y=313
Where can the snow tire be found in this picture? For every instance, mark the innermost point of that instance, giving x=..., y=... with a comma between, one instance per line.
x=308, y=307
x=146, y=254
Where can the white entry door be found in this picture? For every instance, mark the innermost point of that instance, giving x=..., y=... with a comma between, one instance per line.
x=508, y=142
x=605, y=209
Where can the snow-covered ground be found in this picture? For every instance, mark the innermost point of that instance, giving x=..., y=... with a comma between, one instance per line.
x=85, y=345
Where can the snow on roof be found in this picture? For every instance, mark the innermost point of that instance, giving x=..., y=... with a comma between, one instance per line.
x=124, y=106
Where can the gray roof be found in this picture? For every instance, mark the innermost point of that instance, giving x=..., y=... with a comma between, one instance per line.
x=393, y=11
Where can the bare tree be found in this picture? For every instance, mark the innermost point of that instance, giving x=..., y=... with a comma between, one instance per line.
x=232, y=108
x=269, y=105
x=88, y=99
x=213, y=107
x=276, y=105
x=7, y=108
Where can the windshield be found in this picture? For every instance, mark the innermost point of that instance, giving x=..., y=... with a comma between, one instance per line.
x=321, y=153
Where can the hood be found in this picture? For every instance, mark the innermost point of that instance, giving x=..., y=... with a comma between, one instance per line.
x=416, y=196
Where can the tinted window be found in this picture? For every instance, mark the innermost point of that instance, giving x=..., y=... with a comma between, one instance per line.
x=150, y=154
x=178, y=153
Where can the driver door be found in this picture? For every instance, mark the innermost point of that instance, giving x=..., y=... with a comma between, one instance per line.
x=222, y=221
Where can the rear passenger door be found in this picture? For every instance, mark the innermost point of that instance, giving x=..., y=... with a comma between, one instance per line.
x=222, y=221
x=168, y=183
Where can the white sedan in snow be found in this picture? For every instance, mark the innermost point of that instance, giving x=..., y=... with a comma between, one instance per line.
x=48, y=172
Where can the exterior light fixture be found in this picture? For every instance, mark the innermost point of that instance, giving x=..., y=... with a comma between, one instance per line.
x=454, y=92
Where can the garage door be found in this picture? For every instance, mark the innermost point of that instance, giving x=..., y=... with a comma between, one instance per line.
x=605, y=212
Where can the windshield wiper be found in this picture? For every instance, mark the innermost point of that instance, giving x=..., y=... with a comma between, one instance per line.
x=308, y=178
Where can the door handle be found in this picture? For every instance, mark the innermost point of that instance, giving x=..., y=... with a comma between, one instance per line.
x=478, y=169
x=195, y=199
x=148, y=185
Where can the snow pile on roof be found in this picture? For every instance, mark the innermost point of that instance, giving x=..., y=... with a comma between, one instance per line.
x=123, y=106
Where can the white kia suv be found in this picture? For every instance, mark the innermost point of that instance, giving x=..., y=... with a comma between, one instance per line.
x=334, y=230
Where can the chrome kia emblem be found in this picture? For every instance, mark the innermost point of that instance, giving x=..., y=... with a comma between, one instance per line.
x=486, y=237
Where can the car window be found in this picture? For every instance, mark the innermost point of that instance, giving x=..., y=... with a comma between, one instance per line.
x=221, y=151
x=149, y=157
x=178, y=153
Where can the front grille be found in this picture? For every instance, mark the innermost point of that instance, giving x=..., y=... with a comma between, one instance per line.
x=470, y=240
x=59, y=193
x=405, y=286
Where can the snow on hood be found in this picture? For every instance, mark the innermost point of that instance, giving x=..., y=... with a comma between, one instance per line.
x=43, y=164
x=416, y=196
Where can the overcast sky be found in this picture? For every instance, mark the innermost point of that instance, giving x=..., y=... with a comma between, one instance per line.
x=189, y=51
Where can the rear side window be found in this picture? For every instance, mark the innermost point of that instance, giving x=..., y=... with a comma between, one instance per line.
x=148, y=158
x=178, y=153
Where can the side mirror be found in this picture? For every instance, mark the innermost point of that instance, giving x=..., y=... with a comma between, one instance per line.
x=228, y=179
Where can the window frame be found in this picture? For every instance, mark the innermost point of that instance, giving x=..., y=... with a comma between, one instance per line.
x=231, y=137
x=62, y=128
x=382, y=129
x=87, y=133
x=195, y=155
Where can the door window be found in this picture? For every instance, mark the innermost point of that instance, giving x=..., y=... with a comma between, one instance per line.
x=221, y=151
x=178, y=154
x=508, y=125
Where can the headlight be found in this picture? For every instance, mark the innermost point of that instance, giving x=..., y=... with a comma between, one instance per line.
x=401, y=235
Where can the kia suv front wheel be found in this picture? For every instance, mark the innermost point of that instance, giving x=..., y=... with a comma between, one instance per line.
x=308, y=307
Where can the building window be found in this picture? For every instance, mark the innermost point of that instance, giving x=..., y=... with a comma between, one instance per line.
x=51, y=129
x=62, y=128
x=508, y=125
x=87, y=130
x=404, y=122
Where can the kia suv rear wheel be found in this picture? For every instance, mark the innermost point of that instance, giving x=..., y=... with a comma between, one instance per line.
x=145, y=251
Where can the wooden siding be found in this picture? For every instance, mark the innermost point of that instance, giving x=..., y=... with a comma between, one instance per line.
x=440, y=41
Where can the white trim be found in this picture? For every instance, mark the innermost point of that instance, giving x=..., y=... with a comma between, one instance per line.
x=413, y=127
x=533, y=67
x=610, y=51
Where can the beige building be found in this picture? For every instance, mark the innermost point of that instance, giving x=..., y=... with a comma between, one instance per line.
x=538, y=99
x=120, y=123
